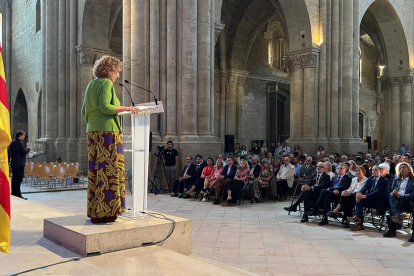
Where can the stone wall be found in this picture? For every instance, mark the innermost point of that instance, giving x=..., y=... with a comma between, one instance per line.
x=26, y=59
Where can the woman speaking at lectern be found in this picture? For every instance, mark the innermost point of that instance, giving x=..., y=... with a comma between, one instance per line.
x=106, y=171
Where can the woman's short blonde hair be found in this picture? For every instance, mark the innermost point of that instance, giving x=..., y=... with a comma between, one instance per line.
x=107, y=67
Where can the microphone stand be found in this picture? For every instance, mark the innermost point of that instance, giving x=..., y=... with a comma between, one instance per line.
x=132, y=101
x=155, y=98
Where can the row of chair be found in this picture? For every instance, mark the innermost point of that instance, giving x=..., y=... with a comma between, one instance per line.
x=49, y=175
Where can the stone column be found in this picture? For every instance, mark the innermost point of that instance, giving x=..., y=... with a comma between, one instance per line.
x=189, y=68
x=355, y=83
x=406, y=115
x=51, y=97
x=126, y=63
x=7, y=61
x=239, y=105
x=231, y=110
x=223, y=85
x=396, y=121
x=171, y=102
x=334, y=72
x=67, y=76
x=138, y=50
x=73, y=72
x=62, y=72
x=281, y=53
x=309, y=109
x=322, y=71
x=296, y=104
x=347, y=69
x=86, y=57
x=163, y=62
x=154, y=63
x=203, y=67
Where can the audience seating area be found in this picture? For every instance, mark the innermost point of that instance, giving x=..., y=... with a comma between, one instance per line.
x=53, y=175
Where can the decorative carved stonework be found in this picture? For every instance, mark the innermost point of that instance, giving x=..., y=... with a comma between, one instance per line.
x=87, y=56
x=309, y=60
x=241, y=80
x=402, y=80
x=233, y=79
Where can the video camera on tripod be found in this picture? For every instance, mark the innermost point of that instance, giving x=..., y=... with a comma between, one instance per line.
x=160, y=165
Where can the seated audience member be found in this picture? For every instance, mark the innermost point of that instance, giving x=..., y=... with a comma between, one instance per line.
x=328, y=170
x=358, y=160
x=296, y=151
x=405, y=158
x=401, y=198
x=385, y=172
x=321, y=151
x=352, y=169
x=238, y=182
x=261, y=182
x=332, y=161
x=178, y=187
x=263, y=149
x=374, y=194
x=275, y=170
x=237, y=150
x=256, y=149
x=273, y=148
x=347, y=200
x=226, y=175
x=207, y=173
x=369, y=166
x=194, y=176
x=306, y=171
x=269, y=157
x=310, y=192
x=285, y=149
x=284, y=178
x=377, y=160
x=402, y=149
x=255, y=168
x=297, y=166
x=221, y=157
x=340, y=183
x=208, y=183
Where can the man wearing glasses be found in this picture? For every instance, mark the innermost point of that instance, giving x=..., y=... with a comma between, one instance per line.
x=310, y=192
x=340, y=183
x=186, y=174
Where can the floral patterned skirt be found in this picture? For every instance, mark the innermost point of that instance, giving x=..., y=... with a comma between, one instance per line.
x=106, y=174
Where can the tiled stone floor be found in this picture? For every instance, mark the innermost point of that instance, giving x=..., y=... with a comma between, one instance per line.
x=264, y=240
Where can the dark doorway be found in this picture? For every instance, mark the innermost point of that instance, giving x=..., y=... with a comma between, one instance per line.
x=278, y=114
x=20, y=115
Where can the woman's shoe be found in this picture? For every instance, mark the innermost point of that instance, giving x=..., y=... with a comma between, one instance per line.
x=109, y=219
x=225, y=203
x=96, y=220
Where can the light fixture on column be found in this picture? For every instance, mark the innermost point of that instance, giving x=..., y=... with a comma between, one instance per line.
x=381, y=67
x=319, y=43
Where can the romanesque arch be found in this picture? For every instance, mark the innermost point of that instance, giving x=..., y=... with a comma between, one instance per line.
x=20, y=114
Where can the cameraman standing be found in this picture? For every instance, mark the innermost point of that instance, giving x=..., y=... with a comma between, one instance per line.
x=170, y=156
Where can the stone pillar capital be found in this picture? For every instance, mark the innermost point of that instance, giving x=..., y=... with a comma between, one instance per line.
x=301, y=61
x=88, y=55
x=402, y=80
x=218, y=28
x=237, y=77
x=8, y=4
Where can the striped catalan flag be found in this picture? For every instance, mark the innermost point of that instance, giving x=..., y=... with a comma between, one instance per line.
x=5, y=140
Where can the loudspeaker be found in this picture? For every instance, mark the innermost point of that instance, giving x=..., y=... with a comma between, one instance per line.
x=228, y=143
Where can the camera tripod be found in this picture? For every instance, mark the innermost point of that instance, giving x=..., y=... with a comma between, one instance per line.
x=156, y=179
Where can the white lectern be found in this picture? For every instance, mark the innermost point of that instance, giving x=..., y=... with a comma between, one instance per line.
x=140, y=128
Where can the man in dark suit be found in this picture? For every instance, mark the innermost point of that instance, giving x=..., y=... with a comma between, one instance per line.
x=340, y=183
x=401, y=199
x=306, y=171
x=18, y=161
x=311, y=191
x=374, y=194
x=228, y=173
x=256, y=149
x=195, y=175
x=255, y=167
x=186, y=174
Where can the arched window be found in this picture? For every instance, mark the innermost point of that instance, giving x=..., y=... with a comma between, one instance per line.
x=38, y=16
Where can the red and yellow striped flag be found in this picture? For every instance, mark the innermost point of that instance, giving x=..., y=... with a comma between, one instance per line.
x=4, y=164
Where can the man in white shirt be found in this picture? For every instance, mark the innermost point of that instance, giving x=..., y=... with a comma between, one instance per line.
x=401, y=198
x=284, y=178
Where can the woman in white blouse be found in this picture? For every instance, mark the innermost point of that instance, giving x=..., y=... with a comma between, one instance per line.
x=347, y=200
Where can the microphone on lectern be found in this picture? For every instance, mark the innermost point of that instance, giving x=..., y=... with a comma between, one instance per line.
x=132, y=101
x=155, y=98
